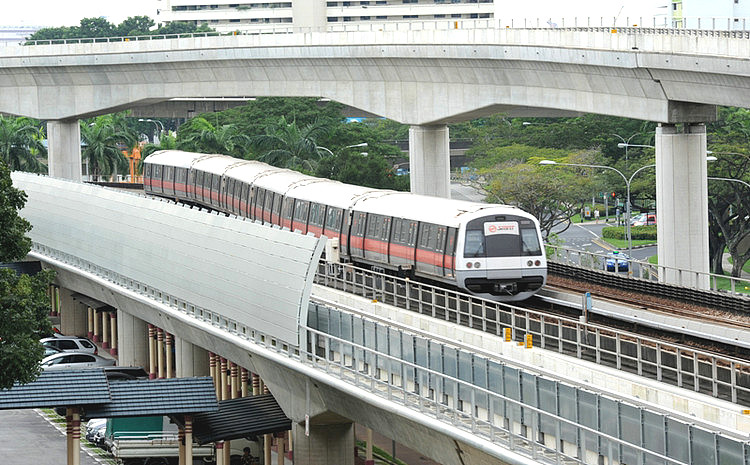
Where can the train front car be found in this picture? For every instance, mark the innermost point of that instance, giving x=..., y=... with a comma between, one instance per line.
x=499, y=254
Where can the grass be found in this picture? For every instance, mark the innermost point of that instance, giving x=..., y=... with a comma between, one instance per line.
x=723, y=284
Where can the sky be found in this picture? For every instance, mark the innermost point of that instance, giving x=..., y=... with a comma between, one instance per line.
x=50, y=13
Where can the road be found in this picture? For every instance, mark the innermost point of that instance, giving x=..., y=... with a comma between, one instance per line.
x=28, y=438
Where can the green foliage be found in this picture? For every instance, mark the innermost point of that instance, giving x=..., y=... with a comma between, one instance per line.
x=286, y=145
x=100, y=27
x=646, y=233
x=14, y=245
x=104, y=137
x=24, y=307
x=20, y=143
x=135, y=26
x=498, y=155
x=23, y=300
x=203, y=137
x=353, y=168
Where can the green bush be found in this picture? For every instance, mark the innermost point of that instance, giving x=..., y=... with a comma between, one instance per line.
x=647, y=233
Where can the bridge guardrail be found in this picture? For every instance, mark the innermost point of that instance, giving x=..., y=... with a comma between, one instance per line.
x=693, y=26
x=702, y=371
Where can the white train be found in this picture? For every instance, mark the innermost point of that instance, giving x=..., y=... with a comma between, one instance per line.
x=493, y=251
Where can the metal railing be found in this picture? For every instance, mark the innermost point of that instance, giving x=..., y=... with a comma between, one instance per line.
x=694, y=26
x=649, y=271
x=541, y=427
x=702, y=371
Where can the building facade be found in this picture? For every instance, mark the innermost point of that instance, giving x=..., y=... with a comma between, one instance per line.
x=714, y=14
x=224, y=16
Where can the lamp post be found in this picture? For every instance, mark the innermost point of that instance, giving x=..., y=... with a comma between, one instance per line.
x=712, y=178
x=626, y=142
x=159, y=127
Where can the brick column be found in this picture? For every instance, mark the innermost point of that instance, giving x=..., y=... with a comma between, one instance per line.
x=188, y=439
x=244, y=382
x=214, y=375
x=235, y=380
x=223, y=380
x=168, y=339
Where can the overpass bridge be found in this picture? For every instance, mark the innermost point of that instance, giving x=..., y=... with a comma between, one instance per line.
x=425, y=75
x=242, y=291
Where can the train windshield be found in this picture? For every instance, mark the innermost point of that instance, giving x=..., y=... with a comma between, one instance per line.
x=501, y=237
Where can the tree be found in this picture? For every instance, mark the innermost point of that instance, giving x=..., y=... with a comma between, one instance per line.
x=104, y=138
x=553, y=198
x=286, y=145
x=23, y=300
x=135, y=26
x=204, y=137
x=20, y=140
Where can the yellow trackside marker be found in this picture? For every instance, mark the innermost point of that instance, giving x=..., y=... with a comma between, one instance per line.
x=529, y=341
x=746, y=412
x=613, y=31
x=508, y=332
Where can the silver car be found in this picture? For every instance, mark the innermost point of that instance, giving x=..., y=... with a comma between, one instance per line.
x=67, y=360
x=70, y=344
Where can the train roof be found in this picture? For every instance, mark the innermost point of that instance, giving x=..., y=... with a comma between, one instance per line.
x=248, y=171
x=175, y=158
x=333, y=193
x=281, y=181
x=216, y=164
x=430, y=209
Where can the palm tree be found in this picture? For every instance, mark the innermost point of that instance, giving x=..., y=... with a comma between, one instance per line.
x=20, y=142
x=104, y=138
x=166, y=142
x=205, y=138
x=288, y=146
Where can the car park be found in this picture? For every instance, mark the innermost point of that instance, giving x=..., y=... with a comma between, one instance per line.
x=71, y=344
x=616, y=261
x=49, y=350
x=68, y=360
x=644, y=219
x=94, y=427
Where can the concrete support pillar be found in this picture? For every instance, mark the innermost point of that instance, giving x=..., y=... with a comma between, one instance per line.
x=151, y=351
x=190, y=360
x=220, y=453
x=223, y=379
x=267, y=442
x=368, y=449
x=73, y=429
x=160, y=361
x=682, y=203
x=309, y=15
x=235, y=371
x=188, y=439
x=280, y=448
x=326, y=444
x=213, y=361
x=256, y=384
x=245, y=376
x=105, y=330
x=97, y=327
x=429, y=160
x=64, y=150
x=113, y=332
x=90, y=322
x=133, y=347
x=168, y=341
x=72, y=314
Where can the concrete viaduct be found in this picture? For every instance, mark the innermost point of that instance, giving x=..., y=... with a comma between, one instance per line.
x=422, y=77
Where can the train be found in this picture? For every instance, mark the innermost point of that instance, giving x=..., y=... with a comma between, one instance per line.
x=492, y=251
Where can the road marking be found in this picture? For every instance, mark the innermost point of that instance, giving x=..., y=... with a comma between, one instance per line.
x=587, y=244
x=588, y=231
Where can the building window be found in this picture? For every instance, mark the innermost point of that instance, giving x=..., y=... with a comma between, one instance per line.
x=364, y=18
x=332, y=19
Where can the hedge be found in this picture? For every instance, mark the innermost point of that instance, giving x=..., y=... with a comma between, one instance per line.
x=636, y=232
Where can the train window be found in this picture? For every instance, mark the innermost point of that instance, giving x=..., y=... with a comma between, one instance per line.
x=277, y=204
x=215, y=182
x=474, y=246
x=300, y=211
x=385, y=229
x=169, y=175
x=333, y=219
x=424, y=235
x=440, y=243
x=358, y=224
x=373, y=226
x=397, y=226
x=530, y=242
x=269, y=202
x=412, y=233
x=317, y=212
x=288, y=208
x=450, y=247
x=147, y=170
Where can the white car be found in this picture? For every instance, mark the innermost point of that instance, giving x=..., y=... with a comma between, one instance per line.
x=70, y=344
x=68, y=360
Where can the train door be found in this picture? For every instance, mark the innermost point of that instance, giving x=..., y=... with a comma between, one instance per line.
x=147, y=177
x=287, y=208
x=401, y=247
x=316, y=219
x=438, y=258
x=357, y=236
x=449, y=258
x=276, y=212
x=301, y=208
x=268, y=207
x=168, y=186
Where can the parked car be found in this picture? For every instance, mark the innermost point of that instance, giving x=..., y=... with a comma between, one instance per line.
x=67, y=360
x=94, y=427
x=644, y=219
x=616, y=261
x=49, y=350
x=70, y=344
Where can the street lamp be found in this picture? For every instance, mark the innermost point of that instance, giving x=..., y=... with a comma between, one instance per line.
x=159, y=127
x=729, y=179
x=626, y=142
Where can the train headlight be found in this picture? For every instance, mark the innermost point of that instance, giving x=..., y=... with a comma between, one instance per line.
x=529, y=263
x=477, y=264
x=538, y=262
x=468, y=264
